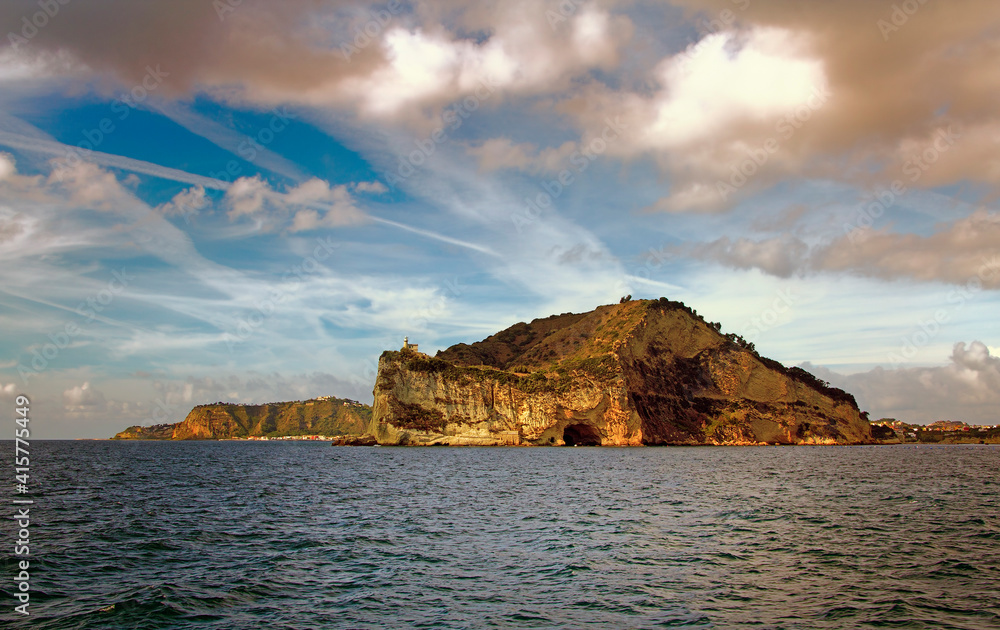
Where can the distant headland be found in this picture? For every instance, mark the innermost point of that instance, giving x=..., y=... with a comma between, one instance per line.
x=322, y=418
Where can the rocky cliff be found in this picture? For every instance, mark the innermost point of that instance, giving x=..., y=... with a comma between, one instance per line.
x=327, y=416
x=155, y=432
x=641, y=372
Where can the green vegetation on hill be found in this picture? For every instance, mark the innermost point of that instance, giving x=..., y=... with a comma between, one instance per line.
x=570, y=341
x=555, y=380
x=641, y=371
x=155, y=432
x=328, y=416
x=560, y=344
x=971, y=436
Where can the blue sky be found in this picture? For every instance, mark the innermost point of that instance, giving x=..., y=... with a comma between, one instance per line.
x=204, y=202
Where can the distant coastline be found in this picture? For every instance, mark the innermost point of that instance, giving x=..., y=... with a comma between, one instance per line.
x=636, y=373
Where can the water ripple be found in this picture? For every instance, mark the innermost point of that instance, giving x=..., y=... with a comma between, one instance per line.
x=297, y=535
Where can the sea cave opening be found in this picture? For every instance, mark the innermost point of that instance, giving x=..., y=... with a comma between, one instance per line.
x=581, y=435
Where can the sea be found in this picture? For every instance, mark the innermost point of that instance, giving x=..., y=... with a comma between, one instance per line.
x=306, y=535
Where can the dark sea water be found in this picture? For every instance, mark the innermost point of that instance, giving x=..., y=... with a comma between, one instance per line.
x=300, y=535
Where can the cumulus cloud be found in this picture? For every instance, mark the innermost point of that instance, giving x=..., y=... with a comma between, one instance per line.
x=375, y=187
x=699, y=111
x=246, y=196
x=891, y=89
x=412, y=62
x=431, y=67
x=781, y=256
x=322, y=206
x=7, y=165
x=311, y=205
x=967, y=389
x=83, y=398
x=89, y=185
x=41, y=215
x=193, y=43
x=186, y=203
x=8, y=391
x=733, y=95
x=12, y=225
x=965, y=252
x=759, y=75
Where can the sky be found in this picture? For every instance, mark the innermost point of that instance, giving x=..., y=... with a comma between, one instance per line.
x=248, y=201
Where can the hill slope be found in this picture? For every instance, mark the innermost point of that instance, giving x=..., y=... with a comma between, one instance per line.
x=642, y=372
x=329, y=416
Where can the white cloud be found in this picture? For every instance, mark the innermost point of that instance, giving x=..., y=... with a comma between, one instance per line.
x=375, y=187
x=311, y=205
x=90, y=186
x=14, y=226
x=186, y=203
x=18, y=67
x=419, y=66
x=70, y=156
x=781, y=256
x=428, y=66
x=7, y=165
x=696, y=195
x=964, y=252
x=84, y=398
x=967, y=389
x=712, y=106
x=246, y=196
x=758, y=75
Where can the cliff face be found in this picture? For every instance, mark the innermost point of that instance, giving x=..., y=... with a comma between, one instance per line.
x=642, y=372
x=155, y=432
x=331, y=416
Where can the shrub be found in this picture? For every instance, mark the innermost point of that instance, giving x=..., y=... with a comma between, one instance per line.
x=413, y=416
